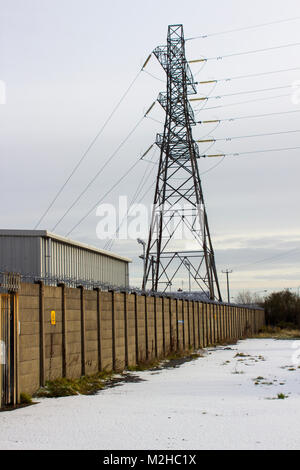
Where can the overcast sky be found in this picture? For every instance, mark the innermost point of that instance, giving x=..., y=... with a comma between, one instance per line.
x=66, y=63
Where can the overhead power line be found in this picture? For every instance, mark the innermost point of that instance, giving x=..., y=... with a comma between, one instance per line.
x=248, y=92
x=237, y=154
x=107, y=162
x=251, y=75
x=103, y=197
x=251, y=116
x=247, y=136
x=243, y=102
x=245, y=28
x=92, y=143
x=281, y=255
x=254, y=51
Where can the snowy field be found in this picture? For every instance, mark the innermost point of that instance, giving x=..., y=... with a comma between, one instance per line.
x=220, y=401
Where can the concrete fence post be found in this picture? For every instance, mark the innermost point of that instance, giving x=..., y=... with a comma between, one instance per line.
x=177, y=326
x=164, y=325
x=155, y=327
x=113, y=323
x=189, y=323
x=64, y=329
x=126, y=328
x=183, y=324
x=210, y=323
x=171, y=347
x=206, y=324
x=136, y=329
x=82, y=329
x=99, y=343
x=217, y=317
x=42, y=331
x=194, y=325
x=146, y=327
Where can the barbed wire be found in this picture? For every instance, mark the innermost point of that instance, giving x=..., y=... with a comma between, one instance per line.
x=11, y=282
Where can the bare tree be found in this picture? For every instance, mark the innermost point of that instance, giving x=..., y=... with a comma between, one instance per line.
x=247, y=298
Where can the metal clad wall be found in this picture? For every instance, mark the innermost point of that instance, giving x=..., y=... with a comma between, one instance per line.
x=46, y=256
x=20, y=254
x=65, y=260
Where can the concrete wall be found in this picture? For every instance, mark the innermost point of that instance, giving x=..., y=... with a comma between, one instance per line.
x=97, y=331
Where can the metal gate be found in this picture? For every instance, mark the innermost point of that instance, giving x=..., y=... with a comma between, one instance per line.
x=8, y=348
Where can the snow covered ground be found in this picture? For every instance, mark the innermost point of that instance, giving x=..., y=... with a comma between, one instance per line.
x=214, y=402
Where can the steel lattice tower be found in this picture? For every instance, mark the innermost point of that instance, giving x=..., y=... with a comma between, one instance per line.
x=178, y=201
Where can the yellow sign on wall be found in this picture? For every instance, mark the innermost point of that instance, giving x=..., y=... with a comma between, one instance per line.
x=53, y=318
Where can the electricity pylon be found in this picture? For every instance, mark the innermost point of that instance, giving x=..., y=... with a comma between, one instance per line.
x=178, y=202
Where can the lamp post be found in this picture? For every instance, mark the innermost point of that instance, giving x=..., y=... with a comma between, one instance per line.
x=143, y=256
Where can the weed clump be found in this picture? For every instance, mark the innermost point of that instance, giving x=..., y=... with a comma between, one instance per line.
x=62, y=387
x=25, y=399
x=281, y=396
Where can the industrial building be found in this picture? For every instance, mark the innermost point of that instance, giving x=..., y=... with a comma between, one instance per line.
x=41, y=254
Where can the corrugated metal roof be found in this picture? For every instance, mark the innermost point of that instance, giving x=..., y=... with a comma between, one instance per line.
x=68, y=241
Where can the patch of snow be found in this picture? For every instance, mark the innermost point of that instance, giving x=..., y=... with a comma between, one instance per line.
x=225, y=400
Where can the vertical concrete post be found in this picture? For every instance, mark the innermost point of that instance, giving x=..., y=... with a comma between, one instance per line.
x=226, y=312
x=64, y=329
x=82, y=328
x=235, y=323
x=113, y=323
x=218, y=337
x=241, y=322
x=217, y=321
x=199, y=325
x=204, y=323
x=211, y=323
x=136, y=329
x=126, y=327
x=42, y=332
x=155, y=326
x=17, y=346
x=146, y=327
x=183, y=325
x=164, y=325
x=177, y=326
x=194, y=325
x=220, y=308
x=189, y=322
x=223, y=335
x=171, y=348
x=99, y=349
